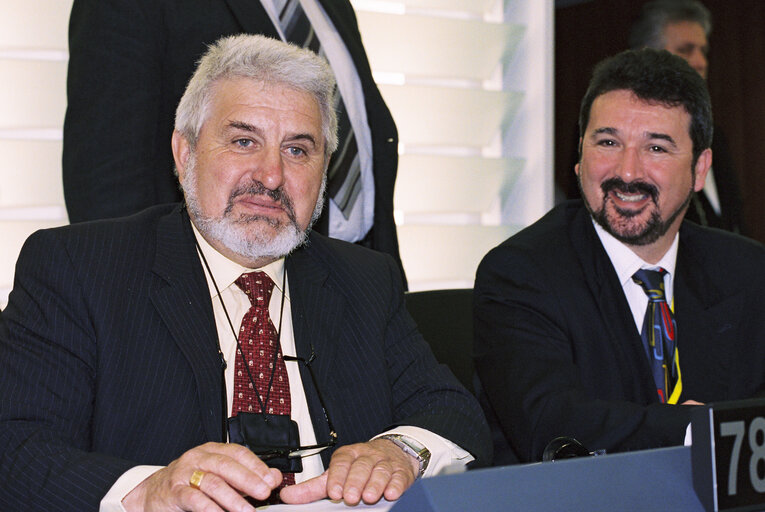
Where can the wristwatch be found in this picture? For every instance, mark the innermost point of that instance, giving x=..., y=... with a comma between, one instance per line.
x=411, y=447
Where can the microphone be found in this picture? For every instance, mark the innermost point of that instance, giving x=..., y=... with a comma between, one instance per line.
x=565, y=448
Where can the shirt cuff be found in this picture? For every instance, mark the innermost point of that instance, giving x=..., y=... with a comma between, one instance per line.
x=443, y=453
x=129, y=480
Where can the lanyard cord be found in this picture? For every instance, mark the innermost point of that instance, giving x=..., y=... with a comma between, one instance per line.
x=238, y=343
x=332, y=433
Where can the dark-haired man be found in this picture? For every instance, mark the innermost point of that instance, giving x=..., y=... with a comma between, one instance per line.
x=604, y=316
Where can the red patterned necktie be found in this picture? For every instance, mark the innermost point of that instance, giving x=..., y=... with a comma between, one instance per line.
x=260, y=347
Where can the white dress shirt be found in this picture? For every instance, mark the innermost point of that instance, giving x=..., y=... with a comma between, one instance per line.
x=626, y=263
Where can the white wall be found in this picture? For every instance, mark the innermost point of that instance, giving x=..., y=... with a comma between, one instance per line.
x=32, y=104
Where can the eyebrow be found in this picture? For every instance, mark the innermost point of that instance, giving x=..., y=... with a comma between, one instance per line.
x=606, y=130
x=241, y=125
x=662, y=136
x=651, y=135
x=301, y=137
x=687, y=47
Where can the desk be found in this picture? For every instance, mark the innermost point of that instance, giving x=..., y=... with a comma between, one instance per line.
x=650, y=480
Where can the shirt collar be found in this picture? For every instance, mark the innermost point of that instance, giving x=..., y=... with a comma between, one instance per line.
x=626, y=262
x=227, y=271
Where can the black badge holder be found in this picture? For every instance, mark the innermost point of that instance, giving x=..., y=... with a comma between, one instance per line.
x=269, y=436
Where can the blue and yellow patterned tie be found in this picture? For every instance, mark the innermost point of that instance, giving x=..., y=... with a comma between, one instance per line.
x=659, y=332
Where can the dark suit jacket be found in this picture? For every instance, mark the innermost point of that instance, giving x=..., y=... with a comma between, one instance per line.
x=130, y=61
x=558, y=353
x=108, y=356
x=728, y=192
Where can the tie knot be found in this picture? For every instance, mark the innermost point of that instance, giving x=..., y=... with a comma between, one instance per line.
x=258, y=287
x=652, y=282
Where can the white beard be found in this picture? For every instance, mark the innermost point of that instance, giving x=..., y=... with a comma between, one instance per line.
x=242, y=235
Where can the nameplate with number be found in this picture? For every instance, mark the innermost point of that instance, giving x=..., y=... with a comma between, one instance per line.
x=728, y=455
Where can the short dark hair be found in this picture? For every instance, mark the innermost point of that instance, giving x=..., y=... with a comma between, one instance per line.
x=648, y=30
x=654, y=76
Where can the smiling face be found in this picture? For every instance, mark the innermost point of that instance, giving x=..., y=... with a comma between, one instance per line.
x=254, y=179
x=636, y=170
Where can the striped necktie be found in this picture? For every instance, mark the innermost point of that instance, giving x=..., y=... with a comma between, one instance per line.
x=659, y=332
x=344, y=173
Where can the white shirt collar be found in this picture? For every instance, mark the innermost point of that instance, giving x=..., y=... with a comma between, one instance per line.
x=626, y=262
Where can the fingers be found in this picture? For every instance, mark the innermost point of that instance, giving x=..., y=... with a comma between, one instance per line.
x=228, y=471
x=364, y=471
x=306, y=492
x=186, y=498
x=162, y=491
x=232, y=468
x=390, y=484
x=369, y=471
x=213, y=491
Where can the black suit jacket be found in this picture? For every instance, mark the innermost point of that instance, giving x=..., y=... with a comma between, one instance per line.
x=728, y=192
x=130, y=62
x=108, y=356
x=558, y=353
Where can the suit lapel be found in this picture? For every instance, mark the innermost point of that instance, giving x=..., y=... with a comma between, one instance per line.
x=707, y=317
x=253, y=17
x=614, y=309
x=184, y=305
x=316, y=308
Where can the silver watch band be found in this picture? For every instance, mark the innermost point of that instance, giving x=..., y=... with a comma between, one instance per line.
x=411, y=447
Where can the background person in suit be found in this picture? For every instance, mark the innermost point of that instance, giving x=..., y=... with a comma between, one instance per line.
x=118, y=348
x=130, y=61
x=682, y=27
x=559, y=318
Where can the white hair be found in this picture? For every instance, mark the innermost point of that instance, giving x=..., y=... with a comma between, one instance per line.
x=262, y=59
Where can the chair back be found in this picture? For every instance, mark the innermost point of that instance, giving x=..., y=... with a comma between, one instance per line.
x=445, y=319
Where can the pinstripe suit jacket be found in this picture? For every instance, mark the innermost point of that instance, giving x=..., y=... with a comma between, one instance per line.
x=108, y=356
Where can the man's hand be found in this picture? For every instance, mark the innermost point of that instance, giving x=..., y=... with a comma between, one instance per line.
x=691, y=402
x=230, y=471
x=363, y=471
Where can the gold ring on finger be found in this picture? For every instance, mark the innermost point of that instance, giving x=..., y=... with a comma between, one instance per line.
x=196, y=479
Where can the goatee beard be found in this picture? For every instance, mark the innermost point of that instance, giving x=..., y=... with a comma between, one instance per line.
x=646, y=234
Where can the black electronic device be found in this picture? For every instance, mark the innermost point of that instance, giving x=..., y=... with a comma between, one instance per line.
x=273, y=438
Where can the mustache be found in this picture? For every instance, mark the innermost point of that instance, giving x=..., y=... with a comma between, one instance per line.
x=635, y=187
x=256, y=188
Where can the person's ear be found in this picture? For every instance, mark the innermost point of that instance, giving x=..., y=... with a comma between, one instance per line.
x=181, y=153
x=703, y=164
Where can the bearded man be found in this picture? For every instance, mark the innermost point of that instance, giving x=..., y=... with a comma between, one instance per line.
x=133, y=349
x=611, y=316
